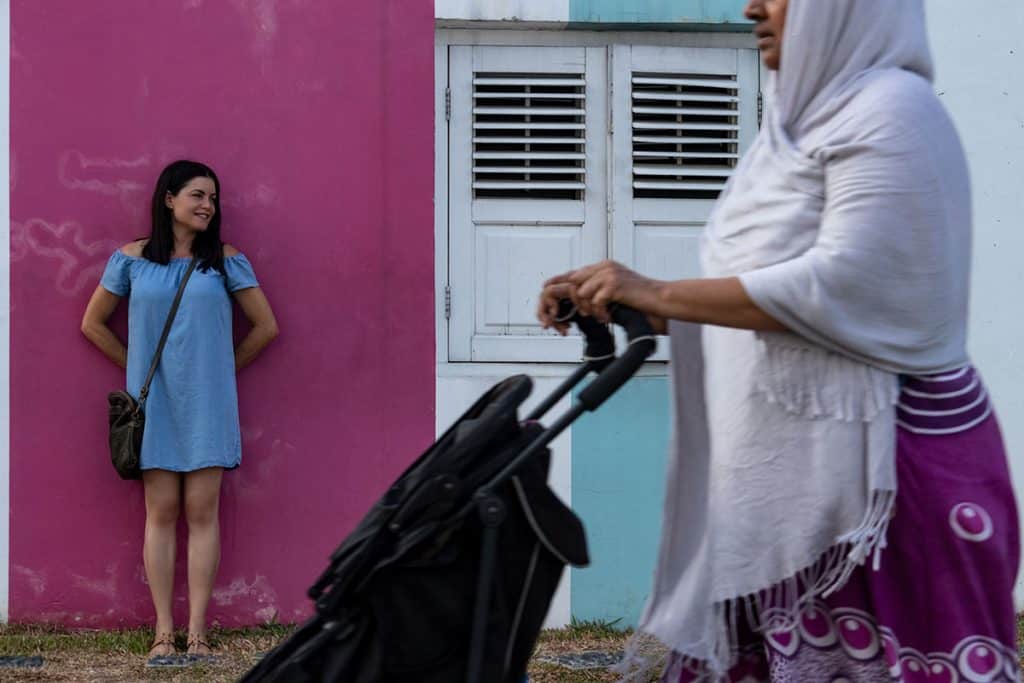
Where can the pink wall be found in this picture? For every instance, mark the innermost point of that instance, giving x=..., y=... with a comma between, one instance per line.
x=318, y=116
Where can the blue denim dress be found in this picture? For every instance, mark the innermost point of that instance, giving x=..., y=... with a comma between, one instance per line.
x=192, y=409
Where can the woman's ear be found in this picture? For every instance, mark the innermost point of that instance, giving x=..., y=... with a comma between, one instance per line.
x=169, y=200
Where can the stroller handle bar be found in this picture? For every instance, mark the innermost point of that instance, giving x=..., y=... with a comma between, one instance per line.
x=600, y=349
x=599, y=356
x=599, y=345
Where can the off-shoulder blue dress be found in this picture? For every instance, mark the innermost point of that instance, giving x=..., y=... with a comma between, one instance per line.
x=192, y=409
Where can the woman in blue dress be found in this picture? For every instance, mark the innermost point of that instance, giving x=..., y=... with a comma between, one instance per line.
x=192, y=431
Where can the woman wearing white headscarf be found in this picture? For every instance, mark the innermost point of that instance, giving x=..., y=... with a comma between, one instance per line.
x=838, y=505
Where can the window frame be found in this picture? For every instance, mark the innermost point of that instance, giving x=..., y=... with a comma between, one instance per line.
x=446, y=38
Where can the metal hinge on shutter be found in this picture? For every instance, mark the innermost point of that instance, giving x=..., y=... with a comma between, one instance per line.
x=448, y=103
x=447, y=302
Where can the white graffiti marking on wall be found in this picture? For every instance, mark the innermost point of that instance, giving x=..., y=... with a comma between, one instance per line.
x=79, y=172
x=78, y=262
x=112, y=177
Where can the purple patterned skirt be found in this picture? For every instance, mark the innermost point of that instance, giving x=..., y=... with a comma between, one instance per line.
x=940, y=607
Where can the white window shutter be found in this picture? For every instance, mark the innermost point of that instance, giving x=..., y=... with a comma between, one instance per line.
x=681, y=119
x=528, y=191
x=529, y=136
x=685, y=134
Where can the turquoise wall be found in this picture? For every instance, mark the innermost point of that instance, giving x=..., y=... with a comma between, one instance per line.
x=656, y=11
x=618, y=465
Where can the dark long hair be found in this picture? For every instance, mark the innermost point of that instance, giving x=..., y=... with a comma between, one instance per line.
x=207, y=245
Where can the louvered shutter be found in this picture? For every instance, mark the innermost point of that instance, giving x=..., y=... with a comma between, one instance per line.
x=681, y=118
x=528, y=191
x=529, y=136
x=685, y=134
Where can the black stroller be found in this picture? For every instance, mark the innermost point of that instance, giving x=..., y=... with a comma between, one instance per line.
x=448, y=578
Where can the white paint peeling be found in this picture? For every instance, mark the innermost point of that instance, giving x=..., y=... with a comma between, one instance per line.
x=36, y=579
x=259, y=589
x=107, y=588
x=266, y=614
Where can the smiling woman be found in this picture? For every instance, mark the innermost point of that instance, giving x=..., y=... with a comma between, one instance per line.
x=192, y=430
x=186, y=216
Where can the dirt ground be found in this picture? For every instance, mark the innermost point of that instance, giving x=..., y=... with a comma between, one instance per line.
x=120, y=655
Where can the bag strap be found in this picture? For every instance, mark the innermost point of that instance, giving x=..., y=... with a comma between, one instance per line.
x=144, y=392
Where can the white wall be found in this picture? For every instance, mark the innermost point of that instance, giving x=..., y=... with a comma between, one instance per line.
x=503, y=10
x=979, y=56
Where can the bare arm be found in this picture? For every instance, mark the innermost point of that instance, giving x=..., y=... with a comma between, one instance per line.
x=264, y=326
x=101, y=306
x=712, y=301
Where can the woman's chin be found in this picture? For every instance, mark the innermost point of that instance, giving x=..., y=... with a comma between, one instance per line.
x=771, y=60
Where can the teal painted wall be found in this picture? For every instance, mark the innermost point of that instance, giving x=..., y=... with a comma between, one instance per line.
x=618, y=465
x=656, y=11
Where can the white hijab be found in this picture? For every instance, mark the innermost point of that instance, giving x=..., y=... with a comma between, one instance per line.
x=853, y=122
x=848, y=220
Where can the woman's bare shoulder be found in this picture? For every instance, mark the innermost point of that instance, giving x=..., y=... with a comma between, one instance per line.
x=230, y=250
x=134, y=248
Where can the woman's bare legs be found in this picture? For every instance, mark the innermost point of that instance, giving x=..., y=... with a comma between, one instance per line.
x=163, y=505
x=202, y=499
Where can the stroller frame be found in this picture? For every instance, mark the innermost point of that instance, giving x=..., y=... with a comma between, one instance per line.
x=599, y=356
x=485, y=497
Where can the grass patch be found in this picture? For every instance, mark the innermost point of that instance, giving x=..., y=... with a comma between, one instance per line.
x=595, y=628
x=47, y=640
x=584, y=635
x=91, y=655
x=94, y=655
x=75, y=655
x=578, y=636
x=550, y=673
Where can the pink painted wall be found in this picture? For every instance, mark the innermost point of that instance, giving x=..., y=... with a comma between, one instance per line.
x=318, y=117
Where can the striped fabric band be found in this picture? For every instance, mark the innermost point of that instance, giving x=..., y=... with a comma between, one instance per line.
x=949, y=403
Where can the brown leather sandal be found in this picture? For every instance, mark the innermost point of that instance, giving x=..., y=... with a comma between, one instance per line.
x=195, y=642
x=160, y=641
